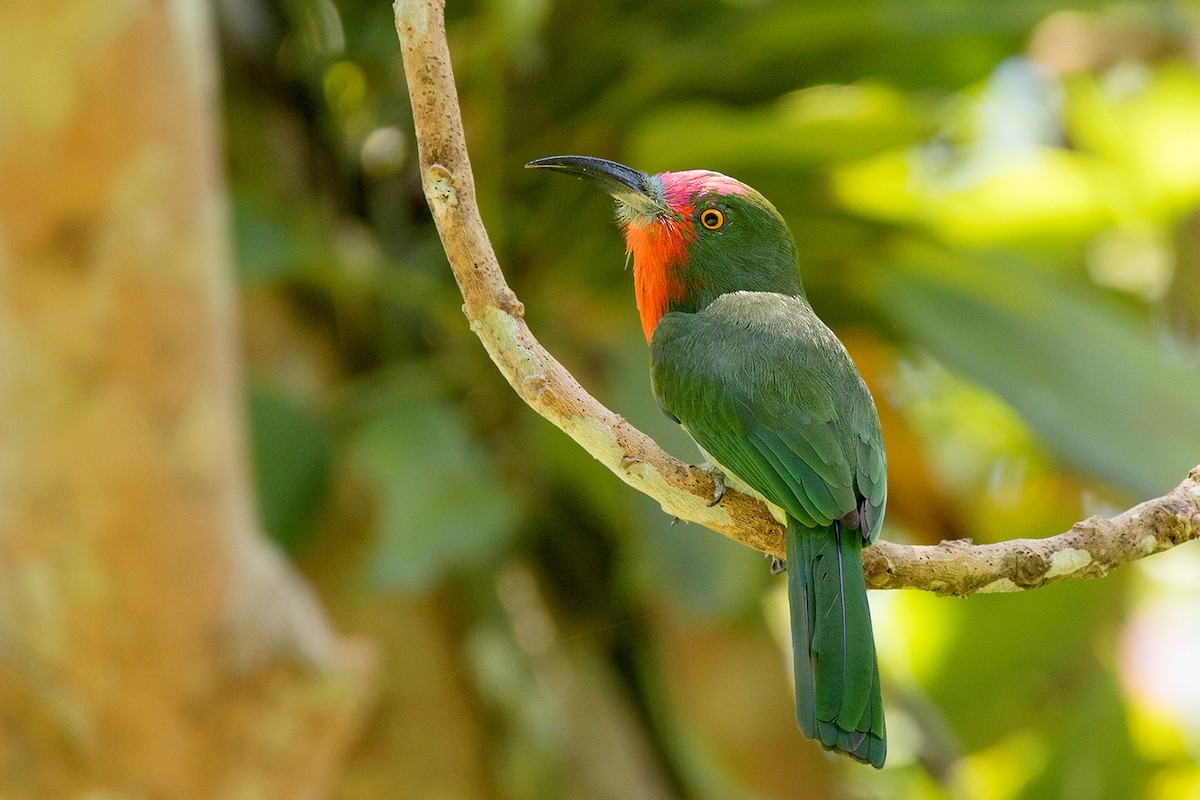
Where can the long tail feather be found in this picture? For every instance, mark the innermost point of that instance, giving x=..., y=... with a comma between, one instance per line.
x=837, y=677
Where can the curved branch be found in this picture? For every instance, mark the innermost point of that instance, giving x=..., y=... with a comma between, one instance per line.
x=495, y=314
x=1089, y=550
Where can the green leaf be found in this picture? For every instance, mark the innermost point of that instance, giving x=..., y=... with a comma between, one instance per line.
x=711, y=575
x=1091, y=751
x=273, y=243
x=810, y=127
x=292, y=453
x=441, y=504
x=1089, y=376
x=1004, y=665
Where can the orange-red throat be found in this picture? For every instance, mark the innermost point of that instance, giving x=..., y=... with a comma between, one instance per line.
x=659, y=247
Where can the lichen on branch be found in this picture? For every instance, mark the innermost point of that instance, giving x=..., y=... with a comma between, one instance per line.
x=1089, y=550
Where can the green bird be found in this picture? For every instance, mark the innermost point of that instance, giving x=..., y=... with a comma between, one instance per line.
x=741, y=361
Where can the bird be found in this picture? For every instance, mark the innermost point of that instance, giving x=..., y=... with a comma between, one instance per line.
x=775, y=404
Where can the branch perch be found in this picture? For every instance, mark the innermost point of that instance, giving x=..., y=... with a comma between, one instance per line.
x=1089, y=550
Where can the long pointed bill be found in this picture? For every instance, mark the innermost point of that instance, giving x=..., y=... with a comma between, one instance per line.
x=629, y=186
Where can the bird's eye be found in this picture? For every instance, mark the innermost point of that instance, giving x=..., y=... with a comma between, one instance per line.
x=712, y=219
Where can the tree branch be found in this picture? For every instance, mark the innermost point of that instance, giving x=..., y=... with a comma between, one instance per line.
x=1088, y=550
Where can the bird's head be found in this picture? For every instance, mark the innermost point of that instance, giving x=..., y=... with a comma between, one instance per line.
x=694, y=235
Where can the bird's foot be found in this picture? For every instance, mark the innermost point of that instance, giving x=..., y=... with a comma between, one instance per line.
x=778, y=565
x=718, y=479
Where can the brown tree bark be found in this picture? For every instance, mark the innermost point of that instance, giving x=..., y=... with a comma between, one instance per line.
x=152, y=643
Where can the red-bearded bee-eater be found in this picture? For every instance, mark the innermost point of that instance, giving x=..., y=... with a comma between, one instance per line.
x=741, y=361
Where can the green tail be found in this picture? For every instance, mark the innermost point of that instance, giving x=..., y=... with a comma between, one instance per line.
x=833, y=649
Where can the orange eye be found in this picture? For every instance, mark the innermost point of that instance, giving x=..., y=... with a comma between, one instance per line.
x=712, y=219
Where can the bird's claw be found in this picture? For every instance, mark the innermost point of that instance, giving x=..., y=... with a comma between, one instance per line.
x=718, y=479
x=778, y=565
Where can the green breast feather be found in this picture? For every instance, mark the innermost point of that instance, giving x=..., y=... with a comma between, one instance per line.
x=764, y=387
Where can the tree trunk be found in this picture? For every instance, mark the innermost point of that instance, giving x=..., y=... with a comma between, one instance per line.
x=152, y=643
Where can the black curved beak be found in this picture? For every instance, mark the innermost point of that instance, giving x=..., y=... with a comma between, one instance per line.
x=629, y=186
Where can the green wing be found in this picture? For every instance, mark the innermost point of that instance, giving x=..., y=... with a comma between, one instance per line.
x=768, y=391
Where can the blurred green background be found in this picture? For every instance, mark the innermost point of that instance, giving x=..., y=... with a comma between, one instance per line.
x=996, y=206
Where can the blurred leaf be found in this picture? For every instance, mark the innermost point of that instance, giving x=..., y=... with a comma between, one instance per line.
x=292, y=452
x=1091, y=752
x=271, y=242
x=1087, y=375
x=1182, y=303
x=1041, y=194
x=1004, y=665
x=712, y=575
x=441, y=502
x=817, y=125
x=939, y=45
x=1145, y=121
